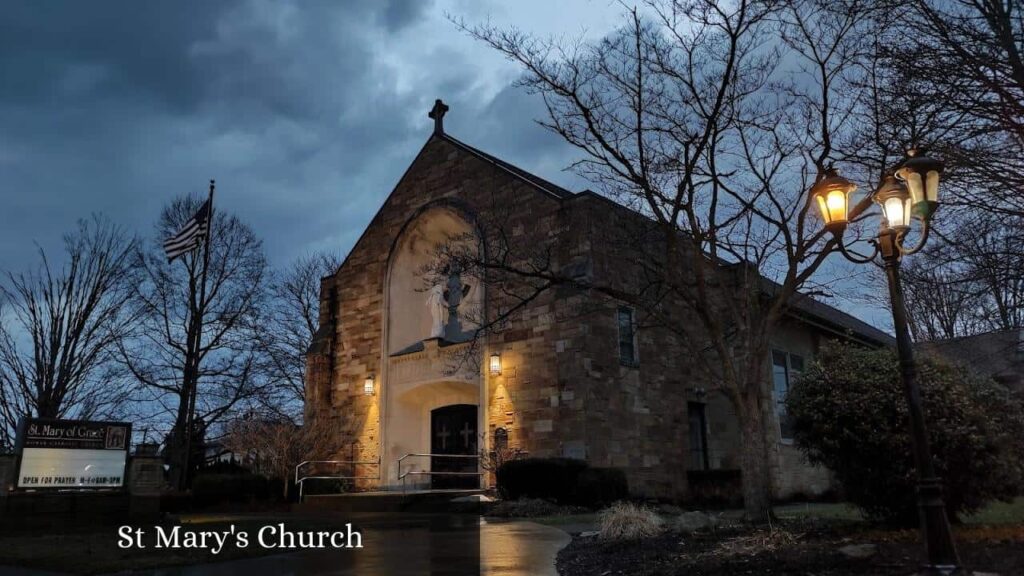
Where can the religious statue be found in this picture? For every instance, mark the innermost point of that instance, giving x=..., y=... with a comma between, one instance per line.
x=454, y=294
x=443, y=300
x=438, y=306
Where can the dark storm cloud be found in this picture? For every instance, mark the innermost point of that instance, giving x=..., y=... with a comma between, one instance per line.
x=82, y=52
x=301, y=110
x=306, y=112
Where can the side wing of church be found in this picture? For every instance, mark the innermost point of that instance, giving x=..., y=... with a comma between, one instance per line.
x=395, y=361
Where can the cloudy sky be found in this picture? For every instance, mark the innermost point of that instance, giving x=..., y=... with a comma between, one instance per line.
x=306, y=113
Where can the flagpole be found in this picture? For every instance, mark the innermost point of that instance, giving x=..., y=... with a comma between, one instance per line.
x=190, y=420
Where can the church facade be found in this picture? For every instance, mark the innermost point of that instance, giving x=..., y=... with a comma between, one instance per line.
x=418, y=396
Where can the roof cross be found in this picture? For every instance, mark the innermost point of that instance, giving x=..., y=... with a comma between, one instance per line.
x=437, y=113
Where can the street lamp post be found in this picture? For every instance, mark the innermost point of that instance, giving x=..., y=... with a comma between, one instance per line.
x=910, y=193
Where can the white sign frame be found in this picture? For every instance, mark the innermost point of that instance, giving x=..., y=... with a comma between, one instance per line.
x=72, y=454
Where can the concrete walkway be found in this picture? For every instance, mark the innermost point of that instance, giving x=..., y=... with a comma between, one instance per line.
x=514, y=548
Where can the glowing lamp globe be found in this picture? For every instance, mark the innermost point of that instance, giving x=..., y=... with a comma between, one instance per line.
x=896, y=203
x=832, y=194
x=921, y=174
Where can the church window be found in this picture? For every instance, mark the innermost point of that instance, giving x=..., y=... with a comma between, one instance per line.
x=627, y=337
x=785, y=369
x=698, y=436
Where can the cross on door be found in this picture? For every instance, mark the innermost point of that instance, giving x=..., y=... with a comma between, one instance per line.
x=465, y=433
x=444, y=434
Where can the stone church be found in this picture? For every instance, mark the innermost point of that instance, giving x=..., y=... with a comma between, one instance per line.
x=389, y=361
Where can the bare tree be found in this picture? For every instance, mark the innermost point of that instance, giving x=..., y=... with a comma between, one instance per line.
x=220, y=367
x=965, y=56
x=275, y=447
x=972, y=282
x=61, y=326
x=959, y=62
x=939, y=303
x=712, y=120
x=291, y=321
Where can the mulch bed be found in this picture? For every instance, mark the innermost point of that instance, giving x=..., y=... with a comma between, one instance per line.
x=803, y=548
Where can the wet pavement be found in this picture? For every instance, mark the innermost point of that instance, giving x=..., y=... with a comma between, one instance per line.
x=512, y=548
x=399, y=545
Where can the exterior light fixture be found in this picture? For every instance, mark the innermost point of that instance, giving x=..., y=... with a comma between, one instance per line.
x=495, y=364
x=912, y=191
x=895, y=202
x=922, y=175
x=368, y=385
x=832, y=194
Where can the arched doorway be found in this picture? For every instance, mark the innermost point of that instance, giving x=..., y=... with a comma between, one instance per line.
x=453, y=437
x=431, y=374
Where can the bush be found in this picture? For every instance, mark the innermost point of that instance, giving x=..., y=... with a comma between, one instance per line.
x=546, y=478
x=717, y=488
x=217, y=488
x=175, y=502
x=524, y=508
x=597, y=487
x=849, y=414
x=224, y=467
x=563, y=480
x=313, y=486
x=627, y=521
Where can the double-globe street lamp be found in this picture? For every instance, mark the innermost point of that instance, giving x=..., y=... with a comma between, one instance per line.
x=907, y=194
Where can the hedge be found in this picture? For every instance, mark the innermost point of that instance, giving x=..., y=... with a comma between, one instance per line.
x=562, y=480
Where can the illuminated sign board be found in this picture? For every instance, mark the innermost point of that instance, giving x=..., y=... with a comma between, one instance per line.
x=71, y=454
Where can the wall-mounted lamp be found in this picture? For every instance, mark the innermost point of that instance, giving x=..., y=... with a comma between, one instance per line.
x=368, y=385
x=495, y=364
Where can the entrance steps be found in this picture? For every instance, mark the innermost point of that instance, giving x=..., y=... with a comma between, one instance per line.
x=422, y=501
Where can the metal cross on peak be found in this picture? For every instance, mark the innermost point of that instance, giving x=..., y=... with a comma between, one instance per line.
x=437, y=113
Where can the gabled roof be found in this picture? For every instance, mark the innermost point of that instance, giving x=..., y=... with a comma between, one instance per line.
x=544, y=185
x=803, y=307
x=838, y=321
x=999, y=354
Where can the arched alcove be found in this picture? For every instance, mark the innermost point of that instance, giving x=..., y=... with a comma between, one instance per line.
x=422, y=294
x=431, y=315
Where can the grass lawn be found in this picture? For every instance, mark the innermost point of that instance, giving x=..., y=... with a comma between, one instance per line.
x=567, y=519
x=826, y=511
x=997, y=513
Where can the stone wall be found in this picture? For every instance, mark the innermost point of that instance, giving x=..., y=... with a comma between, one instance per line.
x=145, y=475
x=353, y=308
x=793, y=476
x=563, y=390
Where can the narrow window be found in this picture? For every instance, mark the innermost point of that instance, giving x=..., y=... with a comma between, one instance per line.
x=784, y=368
x=796, y=365
x=627, y=337
x=698, y=437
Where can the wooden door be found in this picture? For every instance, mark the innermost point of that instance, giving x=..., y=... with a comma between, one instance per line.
x=453, y=433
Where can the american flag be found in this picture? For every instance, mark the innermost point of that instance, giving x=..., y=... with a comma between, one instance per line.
x=190, y=235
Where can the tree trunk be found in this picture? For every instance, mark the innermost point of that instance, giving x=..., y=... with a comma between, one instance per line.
x=179, y=446
x=754, y=457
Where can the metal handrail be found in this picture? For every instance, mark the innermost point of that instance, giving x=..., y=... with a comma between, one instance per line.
x=354, y=463
x=402, y=476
